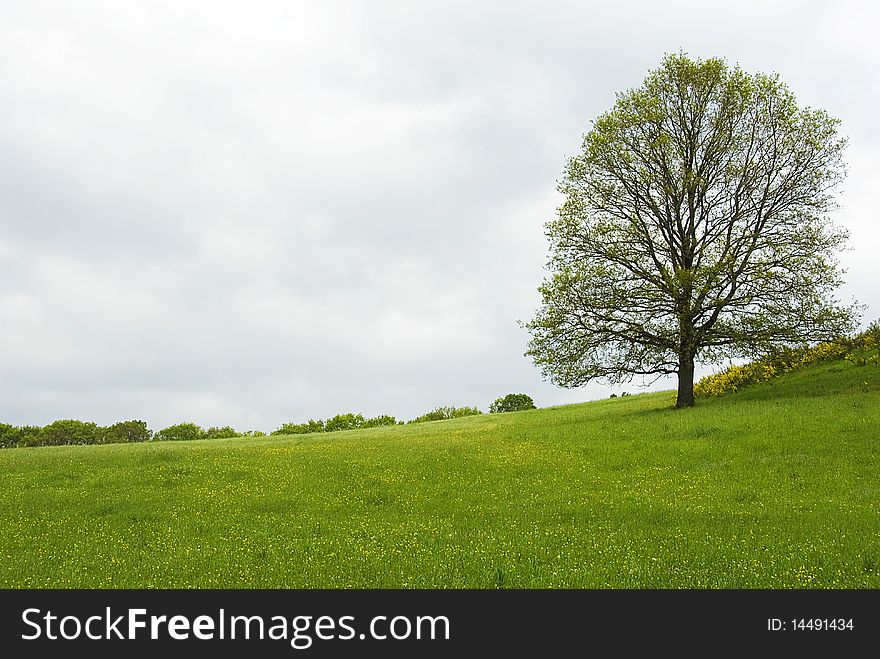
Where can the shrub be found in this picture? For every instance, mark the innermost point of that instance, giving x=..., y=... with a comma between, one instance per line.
x=866, y=346
x=127, y=431
x=300, y=428
x=179, y=432
x=219, y=433
x=9, y=435
x=29, y=435
x=512, y=403
x=860, y=349
x=872, y=334
x=344, y=422
x=382, y=420
x=69, y=431
x=255, y=434
x=442, y=413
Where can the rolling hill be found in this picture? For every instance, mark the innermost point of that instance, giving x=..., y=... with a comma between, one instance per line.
x=776, y=486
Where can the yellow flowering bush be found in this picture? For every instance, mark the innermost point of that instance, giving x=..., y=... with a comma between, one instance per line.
x=860, y=350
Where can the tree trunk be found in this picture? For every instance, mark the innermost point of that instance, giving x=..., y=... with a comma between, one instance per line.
x=685, y=381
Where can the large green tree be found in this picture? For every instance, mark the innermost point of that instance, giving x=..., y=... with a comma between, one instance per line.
x=694, y=227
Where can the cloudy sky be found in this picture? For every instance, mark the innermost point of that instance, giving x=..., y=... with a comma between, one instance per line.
x=247, y=213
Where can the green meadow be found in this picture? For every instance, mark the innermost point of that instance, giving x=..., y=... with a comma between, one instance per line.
x=777, y=486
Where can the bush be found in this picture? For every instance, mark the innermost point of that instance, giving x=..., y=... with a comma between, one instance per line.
x=300, y=428
x=860, y=350
x=29, y=435
x=866, y=346
x=9, y=435
x=344, y=422
x=255, y=434
x=872, y=334
x=382, y=420
x=127, y=431
x=443, y=413
x=512, y=403
x=179, y=432
x=219, y=433
x=69, y=431
x=339, y=422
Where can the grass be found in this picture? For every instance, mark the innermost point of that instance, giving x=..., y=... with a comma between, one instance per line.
x=776, y=486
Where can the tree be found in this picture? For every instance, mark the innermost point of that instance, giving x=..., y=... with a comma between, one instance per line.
x=70, y=431
x=127, y=431
x=300, y=428
x=446, y=412
x=512, y=403
x=9, y=435
x=226, y=432
x=694, y=227
x=379, y=421
x=348, y=421
x=180, y=432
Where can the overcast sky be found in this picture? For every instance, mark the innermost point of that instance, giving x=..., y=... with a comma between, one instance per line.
x=247, y=213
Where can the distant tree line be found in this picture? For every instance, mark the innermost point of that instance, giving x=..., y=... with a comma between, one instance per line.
x=347, y=421
x=443, y=413
x=72, y=432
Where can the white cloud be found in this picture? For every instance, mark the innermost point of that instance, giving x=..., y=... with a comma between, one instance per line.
x=252, y=213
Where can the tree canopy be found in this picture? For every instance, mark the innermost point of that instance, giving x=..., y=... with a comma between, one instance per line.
x=695, y=226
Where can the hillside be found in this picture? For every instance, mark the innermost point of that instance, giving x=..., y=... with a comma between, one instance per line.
x=775, y=486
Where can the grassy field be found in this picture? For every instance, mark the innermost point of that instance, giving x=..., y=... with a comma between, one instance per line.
x=776, y=486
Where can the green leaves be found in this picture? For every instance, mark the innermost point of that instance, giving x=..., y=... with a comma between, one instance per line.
x=72, y=431
x=446, y=412
x=695, y=224
x=180, y=432
x=512, y=403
